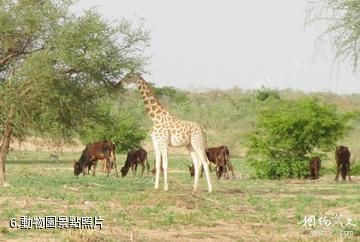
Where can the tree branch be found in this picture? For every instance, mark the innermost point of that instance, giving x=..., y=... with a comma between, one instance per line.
x=15, y=53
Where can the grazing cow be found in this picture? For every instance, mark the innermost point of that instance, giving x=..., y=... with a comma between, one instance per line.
x=104, y=162
x=134, y=158
x=229, y=166
x=342, y=157
x=315, y=164
x=92, y=153
x=220, y=157
x=228, y=163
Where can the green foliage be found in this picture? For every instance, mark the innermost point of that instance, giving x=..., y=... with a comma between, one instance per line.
x=55, y=66
x=265, y=93
x=284, y=136
x=355, y=169
x=176, y=96
x=118, y=127
x=276, y=169
x=342, y=18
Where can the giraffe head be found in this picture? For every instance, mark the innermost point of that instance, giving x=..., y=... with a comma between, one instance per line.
x=131, y=77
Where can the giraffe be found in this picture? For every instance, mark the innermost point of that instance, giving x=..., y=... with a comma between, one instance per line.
x=168, y=130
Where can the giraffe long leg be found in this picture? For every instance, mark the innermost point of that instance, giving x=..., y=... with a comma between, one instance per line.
x=164, y=156
x=198, y=143
x=157, y=162
x=196, y=166
x=202, y=157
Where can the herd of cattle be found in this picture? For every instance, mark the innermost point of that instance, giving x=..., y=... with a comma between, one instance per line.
x=105, y=151
x=219, y=156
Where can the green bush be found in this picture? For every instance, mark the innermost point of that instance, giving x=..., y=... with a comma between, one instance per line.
x=286, y=133
x=355, y=169
x=275, y=169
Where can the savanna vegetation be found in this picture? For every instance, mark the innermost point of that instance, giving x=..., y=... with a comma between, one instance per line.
x=58, y=79
x=238, y=209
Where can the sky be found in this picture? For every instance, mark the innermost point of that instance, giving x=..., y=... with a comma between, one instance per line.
x=208, y=44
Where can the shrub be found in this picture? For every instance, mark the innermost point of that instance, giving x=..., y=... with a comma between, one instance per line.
x=286, y=132
x=355, y=169
x=275, y=169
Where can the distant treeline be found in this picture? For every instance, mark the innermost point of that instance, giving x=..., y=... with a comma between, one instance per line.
x=228, y=115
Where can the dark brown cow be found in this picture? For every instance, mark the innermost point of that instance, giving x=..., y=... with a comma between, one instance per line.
x=342, y=157
x=315, y=164
x=220, y=157
x=228, y=163
x=134, y=158
x=94, y=152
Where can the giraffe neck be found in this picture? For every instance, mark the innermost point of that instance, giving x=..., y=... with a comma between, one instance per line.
x=152, y=105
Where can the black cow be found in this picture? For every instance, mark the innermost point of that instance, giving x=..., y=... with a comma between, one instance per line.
x=342, y=157
x=134, y=158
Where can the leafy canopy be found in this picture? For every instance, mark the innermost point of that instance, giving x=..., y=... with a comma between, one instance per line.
x=55, y=66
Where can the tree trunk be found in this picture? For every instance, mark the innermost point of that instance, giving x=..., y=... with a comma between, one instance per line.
x=5, y=143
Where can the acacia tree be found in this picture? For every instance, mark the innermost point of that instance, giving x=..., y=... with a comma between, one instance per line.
x=54, y=66
x=342, y=18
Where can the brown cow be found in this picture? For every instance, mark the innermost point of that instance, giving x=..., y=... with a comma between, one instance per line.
x=315, y=164
x=94, y=152
x=228, y=163
x=104, y=162
x=220, y=157
x=342, y=157
x=217, y=155
x=134, y=158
